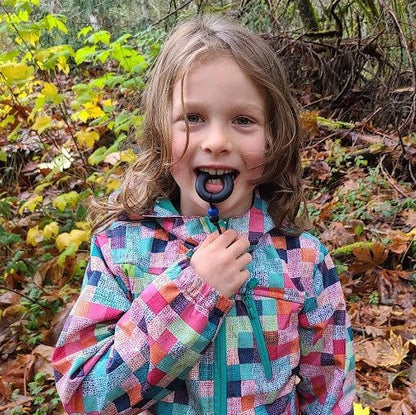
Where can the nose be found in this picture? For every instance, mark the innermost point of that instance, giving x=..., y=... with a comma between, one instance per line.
x=217, y=140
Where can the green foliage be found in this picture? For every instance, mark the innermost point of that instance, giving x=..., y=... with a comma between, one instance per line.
x=61, y=142
x=68, y=122
x=374, y=297
x=45, y=396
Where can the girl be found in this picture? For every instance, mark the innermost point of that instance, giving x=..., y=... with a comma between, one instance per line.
x=175, y=317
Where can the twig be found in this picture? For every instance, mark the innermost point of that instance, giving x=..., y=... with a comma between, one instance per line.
x=14, y=404
x=171, y=13
x=3, y=287
x=411, y=172
x=390, y=180
x=409, y=119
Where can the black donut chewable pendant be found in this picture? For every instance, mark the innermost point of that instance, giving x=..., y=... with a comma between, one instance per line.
x=211, y=198
x=228, y=187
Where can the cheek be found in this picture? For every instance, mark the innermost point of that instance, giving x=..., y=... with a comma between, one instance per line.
x=178, y=146
x=255, y=158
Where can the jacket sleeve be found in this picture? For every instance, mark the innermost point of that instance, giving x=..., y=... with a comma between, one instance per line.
x=327, y=366
x=116, y=352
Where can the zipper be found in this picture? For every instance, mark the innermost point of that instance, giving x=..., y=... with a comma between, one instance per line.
x=220, y=351
x=220, y=372
x=250, y=305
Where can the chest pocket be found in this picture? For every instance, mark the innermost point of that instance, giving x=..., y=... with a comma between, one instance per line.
x=273, y=314
x=279, y=316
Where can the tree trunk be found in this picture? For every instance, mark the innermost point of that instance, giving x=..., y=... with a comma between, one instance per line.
x=307, y=15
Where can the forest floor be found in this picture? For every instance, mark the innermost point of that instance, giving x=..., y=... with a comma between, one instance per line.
x=362, y=199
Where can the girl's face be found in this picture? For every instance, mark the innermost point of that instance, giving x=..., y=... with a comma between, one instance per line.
x=226, y=116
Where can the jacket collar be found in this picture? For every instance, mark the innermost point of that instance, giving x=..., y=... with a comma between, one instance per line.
x=253, y=224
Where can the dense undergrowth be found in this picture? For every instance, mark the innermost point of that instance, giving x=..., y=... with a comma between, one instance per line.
x=66, y=113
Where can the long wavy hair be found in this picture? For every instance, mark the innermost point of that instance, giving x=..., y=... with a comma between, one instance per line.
x=149, y=178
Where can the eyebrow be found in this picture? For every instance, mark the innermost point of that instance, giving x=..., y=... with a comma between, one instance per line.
x=240, y=106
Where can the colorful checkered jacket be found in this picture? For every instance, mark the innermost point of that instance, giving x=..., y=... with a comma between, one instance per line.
x=147, y=333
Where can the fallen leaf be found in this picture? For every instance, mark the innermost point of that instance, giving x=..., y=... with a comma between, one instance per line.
x=360, y=410
x=42, y=363
x=10, y=298
x=409, y=217
x=399, y=241
x=337, y=235
x=392, y=351
x=309, y=122
x=17, y=372
x=368, y=258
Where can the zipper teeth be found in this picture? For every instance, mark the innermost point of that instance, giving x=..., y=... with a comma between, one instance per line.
x=220, y=381
x=258, y=334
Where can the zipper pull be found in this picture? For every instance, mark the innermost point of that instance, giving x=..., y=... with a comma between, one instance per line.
x=247, y=299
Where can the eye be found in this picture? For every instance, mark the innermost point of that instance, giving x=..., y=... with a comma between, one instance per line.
x=193, y=118
x=243, y=121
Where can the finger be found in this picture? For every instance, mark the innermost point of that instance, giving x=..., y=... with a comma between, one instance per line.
x=244, y=260
x=243, y=276
x=239, y=247
x=209, y=239
x=224, y=240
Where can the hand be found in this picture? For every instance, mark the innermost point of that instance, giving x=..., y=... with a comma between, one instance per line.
x=221, y=260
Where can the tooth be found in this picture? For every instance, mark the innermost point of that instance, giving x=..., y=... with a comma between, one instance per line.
x=216, y=172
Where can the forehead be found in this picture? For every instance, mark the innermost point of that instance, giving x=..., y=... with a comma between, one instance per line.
x=200, y=57
x=220, y=76
x=195, y=71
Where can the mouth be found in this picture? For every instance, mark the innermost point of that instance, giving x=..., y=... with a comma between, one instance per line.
x=214, y=185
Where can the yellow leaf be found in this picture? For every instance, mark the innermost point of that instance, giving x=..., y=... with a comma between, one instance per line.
x=42, y=123
x=62, y=65
x=40, y=188
x=49, y=90
x=128, y=156
x=91, y=111
x=74, y=239
x=51, y=230
x=23, y=16
x=30, y=35
x=31, y=204
x=85, y=226
x=34, y=236
x=87, y=138
x=411, y=233
x=67, y=199
x=112, y=184
x=77, y=236
x=62, y=241
x=16, y=72
x=392, y=351
x=359, y=410
x=107, y=103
